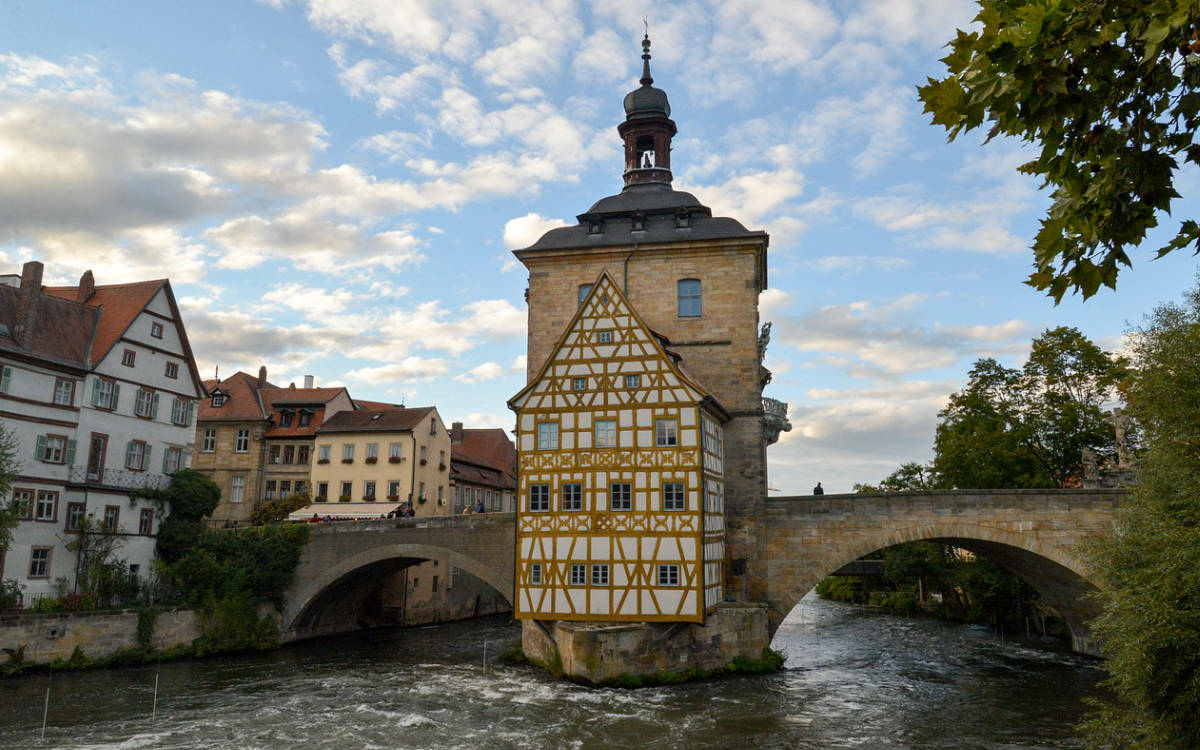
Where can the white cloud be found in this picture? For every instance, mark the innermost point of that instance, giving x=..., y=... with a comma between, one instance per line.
x=858, y=263
x=525, y=230
x=406, y=370
x=480, y=373
x=310, y=300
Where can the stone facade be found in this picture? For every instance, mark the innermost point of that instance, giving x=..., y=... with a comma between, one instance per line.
x=223, y=463
x=595, y=653
x=96, y=634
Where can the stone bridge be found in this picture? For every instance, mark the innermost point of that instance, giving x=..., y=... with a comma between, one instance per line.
x=344, y=561
x=1033, y=533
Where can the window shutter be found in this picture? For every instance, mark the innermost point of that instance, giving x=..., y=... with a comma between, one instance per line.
x=165, y=454
x=70, y=460
x=40, y=451
x=129, y=455
x=191, y=413
x=154, y=407
x=145, y=457
x=116, y=397
x=96, y=392
x=5, y=378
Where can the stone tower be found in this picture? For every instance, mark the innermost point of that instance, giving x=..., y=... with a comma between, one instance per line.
x=695, y=280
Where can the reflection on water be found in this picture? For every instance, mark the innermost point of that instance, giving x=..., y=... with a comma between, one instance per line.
x=852, y=681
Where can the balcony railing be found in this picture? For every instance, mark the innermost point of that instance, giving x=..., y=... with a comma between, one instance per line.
x=775, y=419
x=119, y=479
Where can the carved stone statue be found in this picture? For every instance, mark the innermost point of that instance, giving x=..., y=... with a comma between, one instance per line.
x=764, y=338
x=1091, y=467
x=1121, y=428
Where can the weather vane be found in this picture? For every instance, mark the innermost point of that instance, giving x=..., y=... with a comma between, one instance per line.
x=646, y=24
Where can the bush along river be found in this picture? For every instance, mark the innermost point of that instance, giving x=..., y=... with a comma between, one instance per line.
x=852, y=680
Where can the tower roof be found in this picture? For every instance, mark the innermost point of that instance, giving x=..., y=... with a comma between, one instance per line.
x=646, y=101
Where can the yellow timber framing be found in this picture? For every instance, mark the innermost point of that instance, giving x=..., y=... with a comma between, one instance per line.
x=633, y=543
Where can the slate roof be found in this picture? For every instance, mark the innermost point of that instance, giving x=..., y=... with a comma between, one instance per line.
x=376, y=420
x=62, y=329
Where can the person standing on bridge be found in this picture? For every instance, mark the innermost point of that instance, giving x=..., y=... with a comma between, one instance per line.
x=818, y=490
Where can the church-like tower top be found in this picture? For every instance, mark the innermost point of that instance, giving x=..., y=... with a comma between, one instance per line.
x=647, y=130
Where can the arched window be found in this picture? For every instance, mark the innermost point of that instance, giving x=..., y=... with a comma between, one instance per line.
x=689, y=298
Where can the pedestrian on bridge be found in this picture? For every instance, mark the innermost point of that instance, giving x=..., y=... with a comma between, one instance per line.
x=818, y=490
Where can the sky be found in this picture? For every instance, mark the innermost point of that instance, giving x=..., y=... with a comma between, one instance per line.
x=334, y=187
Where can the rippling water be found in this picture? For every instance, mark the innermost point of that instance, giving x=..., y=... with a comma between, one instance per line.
x=852, y=681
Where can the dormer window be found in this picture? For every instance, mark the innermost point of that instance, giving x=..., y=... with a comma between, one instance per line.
x=285, y=419
x=218, y=400
x=305, y=418
x=595, y=226
x=639, y=222
x=683, y=220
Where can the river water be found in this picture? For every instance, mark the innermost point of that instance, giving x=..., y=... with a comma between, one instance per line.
x=852, y=680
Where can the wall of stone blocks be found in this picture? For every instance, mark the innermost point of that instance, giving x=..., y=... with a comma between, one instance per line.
x=96, y=634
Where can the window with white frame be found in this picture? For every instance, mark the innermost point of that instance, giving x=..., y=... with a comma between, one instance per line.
x=137, y=455
x=578, y=575
x=547, y=436
x=181, y=412
x=347, y=488
x=5, y=378
x=269, y=489
x=393, y=489
x=237, y=488
x=604, y=337
x=64, y=392
x=46, y=508
x=112, y=517
x=606, y=433
x=209, y=444
x=171, y=370
x=241, y=443
x=668, y=575
x=620, y=496
x=372, y=451
x=105, y=394
x=145, y=403
x=535, y=573
x=369, y=490
x=347, y=453
x=322, y=492
x=633, y=381
x=674, y=496
x=172, y=460
x=218, y=400
x=539, y=498
x=156, y=330
x=323, y=453
x=146, y=522
x=579, y=384
x=75, y=513
x=689, y=298
x=55, y=449
x=39, y=562
x=572, y=496
x=395, y=450
x=22, y=503
x=128, y=357
x=666, y=432
x=599, y=575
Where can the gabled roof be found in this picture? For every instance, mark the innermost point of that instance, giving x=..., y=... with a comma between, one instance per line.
x=61, y=333
x=605, y=300
x=489, y=449
x=120, y=304
x=376, y=420
x=375, y=405
x=275, y=396
x=241, y=404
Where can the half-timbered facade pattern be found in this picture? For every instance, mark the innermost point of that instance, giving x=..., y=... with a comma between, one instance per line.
x=621, y=477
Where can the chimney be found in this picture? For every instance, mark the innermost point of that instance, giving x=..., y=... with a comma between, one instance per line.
x=456, y=433
x=262, y=376
x=308, y=381
x=87, y=287
x=27, y=303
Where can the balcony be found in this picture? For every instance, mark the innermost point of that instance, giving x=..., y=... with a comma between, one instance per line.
x=118, y=479
x=775, y=419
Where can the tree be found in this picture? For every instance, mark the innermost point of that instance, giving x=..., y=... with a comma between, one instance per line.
x=10, y=513
x=1108, y=90
x=1010, y=429
x=189, y=498
x=1150, y=569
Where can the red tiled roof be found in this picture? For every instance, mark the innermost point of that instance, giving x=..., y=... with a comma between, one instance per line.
x=120, y=304
x=489, y=448
x=376, y=420
x=62, y=329
x=375, y=405
x=241, y=405
x=273, y=395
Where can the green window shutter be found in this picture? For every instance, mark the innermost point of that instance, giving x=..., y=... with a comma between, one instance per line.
x=191, y=413
x=116, y=396
x=154, y=407
x=5, y=378
x=129, y=455
x=146, y=458
x=70, y=460
x=164, y=468
x=96, y=392
x=40, y=451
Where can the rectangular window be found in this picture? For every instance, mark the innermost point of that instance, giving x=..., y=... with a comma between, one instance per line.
x=285, y=419
x=584, y=289
x=305, y=418
x=666, y=432
x=348, y=453
x=289, y=454
x=689, y=298
x=172, y=460
x=668, y=575
x=105, y=394
x=620, y=496
x=372, y=451
x=210, y=440
x=22, y=501
x=47, y=506
x=143, y=405
x=434, y=586
x=5, y=378
x=606, y=433
x=674, y=496
x=394, y=489
x=633, y=381
x=535, y=573
x=578, y=575
x=146, y=522
x=605, y=337
x=39, y=562
x=128, y=357
x=572, y=497
x=52, y=449
x=112, y=517
x=300, y=488
x=74, y=516
x=181, y=412
x=347, y=488
x=242, y=443
x=441, y=493
x=237, y=489
x=599, y=575
x=273, y=454
x=547, y=436
x=323, y=453
x=369, y=491
x=579, y=384
x=396, y=451
x=322, y=491
x=539, y=497
x=285, y=487
x=64, y=392
x=433, y=427
x=302, y=454
x=172, y=370
x=156, y=330
x=269, y=489
x=137, y=454
x=218, y=400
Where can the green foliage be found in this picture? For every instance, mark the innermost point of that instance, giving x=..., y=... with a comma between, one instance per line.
x=145, y=625
x=277, y=509
x=101, y=579
x=840, y=588
x=10, y=594
x=185, y=503
x=234, y=624
x=1150, y=625
x=15, y=663
x=910, y=476
x=1027, y=428
x=1108, y=91
x=10, y=514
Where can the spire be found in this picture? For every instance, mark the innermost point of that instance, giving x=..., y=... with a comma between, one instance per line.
x=646, y=78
